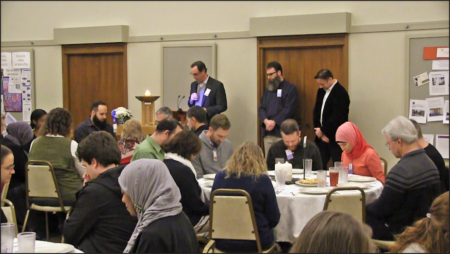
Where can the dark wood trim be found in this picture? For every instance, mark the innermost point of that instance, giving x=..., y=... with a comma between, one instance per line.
x=102, y=48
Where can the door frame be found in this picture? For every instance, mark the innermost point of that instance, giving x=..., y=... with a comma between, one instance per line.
x=297, y=41
x=98, y=48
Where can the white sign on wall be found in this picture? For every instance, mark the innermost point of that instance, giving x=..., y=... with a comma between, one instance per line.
x=21, y=60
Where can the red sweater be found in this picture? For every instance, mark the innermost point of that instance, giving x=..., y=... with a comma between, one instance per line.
x=368, y=164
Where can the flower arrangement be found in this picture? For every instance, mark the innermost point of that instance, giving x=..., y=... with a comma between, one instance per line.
x=121, y=114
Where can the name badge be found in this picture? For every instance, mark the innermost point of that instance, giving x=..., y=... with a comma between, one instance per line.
x=207, y=91
x=214, y=155
x=289, y=154
x=279, y=93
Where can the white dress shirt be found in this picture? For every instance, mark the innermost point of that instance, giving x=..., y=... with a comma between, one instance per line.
x=327, y=93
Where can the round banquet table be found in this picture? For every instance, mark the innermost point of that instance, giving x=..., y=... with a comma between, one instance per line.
x=297, y=208
x=40, y=244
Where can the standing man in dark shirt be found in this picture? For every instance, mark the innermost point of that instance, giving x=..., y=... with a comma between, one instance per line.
x=331, y=110
x=207, y=92
x=278, y=103
x=96, y=122
x=434, y=155
x=196, y=120
x=291, y=148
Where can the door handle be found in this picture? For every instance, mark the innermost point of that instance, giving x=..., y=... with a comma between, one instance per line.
x=308, y=126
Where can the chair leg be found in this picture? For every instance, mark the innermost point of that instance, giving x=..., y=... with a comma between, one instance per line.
x=26, y=220
x=46, y=225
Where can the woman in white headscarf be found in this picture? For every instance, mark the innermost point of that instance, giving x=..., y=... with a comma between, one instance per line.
x=150, y=193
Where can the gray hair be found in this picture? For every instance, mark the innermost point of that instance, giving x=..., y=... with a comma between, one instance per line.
x=402, y=128
x=167, y=112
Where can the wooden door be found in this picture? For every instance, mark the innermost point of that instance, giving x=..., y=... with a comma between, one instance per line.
x=93, y=72
x=301, y=57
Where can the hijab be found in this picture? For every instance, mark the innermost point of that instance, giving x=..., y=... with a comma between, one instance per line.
x=153, y=191
x=349, y=133
x=20, y=133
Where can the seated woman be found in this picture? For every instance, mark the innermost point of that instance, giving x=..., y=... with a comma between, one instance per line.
x=428, y=235
x=7, y=169
x=179, y=151
x=151, y=194
x=325, y=233
x=37, y=120
x=57, y=148
x=18, y=135
x=356, y=151
x=247, y=170
x=131, y=137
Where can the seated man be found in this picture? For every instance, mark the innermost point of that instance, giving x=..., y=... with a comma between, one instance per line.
x=216, y=148
x=96, y=122
x=163, y=113
x=291, y=146
x=434, y=155
x=411, y=185
x=196, y=120
x=99, y=222
x=150, y=148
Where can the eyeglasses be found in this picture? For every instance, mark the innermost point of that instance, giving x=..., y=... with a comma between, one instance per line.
x=388, y=144
x=10, y=167
x=270, y=74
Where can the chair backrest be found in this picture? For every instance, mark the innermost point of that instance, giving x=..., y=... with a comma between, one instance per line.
x=347, y=202
x=4, y=192
x=232, y=216
x=385, y=165
x=41, y=181
x=10, y=213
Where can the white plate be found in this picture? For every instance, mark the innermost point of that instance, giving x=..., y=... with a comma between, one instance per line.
x=315, y=172
x=48, y=247
x=358, y=178
x=209, y=176
x=360, y=185
x=208, y=183
x=315, y=191
x=305, y=184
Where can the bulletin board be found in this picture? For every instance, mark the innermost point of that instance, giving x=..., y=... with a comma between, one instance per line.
x=19, y=105
x=417, y=63
x=176, y=61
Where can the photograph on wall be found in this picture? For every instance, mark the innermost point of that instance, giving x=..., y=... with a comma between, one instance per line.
x=421, y=79
x=12, y=101
x=418, y=110
x=446, y=117
x=439, y=83
x=435, y=109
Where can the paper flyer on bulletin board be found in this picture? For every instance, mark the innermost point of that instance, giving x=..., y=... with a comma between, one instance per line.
x=11, y=101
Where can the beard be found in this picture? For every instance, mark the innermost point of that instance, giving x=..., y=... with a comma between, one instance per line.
x=100, y=124
x=273, y=84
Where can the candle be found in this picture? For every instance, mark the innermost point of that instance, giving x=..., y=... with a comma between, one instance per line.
x=288, y=169
x=147, y=93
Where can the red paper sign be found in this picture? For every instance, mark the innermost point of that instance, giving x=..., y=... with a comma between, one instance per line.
x=429, y=53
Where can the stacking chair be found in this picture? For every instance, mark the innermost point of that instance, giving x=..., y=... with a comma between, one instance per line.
x=4, y=192
x=41, y=183
x=232, y=217
x=10, y=213
x=385, y=165
x=349, y=203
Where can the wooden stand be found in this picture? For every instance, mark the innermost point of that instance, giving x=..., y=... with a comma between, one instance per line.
x=180, y=115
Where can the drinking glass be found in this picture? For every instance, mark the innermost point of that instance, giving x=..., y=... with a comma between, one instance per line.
x=307, y=165
x=8, y=231
x=343, y=174
x=334, y=176
x=321, y=178
x=338, y=164
x=280, y=160
x=25, y=242
x=280, y=177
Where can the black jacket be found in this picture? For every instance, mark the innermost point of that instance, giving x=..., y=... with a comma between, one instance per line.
x=20, y=160
x=216, y=102
x=200, y=129
x=87, y=127
x=100, y=222
x=335, y=111
x=193, y=206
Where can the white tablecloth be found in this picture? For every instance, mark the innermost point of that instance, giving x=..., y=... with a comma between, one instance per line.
x=37, y=243
x=297, y=209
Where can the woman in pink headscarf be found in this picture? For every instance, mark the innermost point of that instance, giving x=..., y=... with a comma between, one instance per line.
x=355, y=149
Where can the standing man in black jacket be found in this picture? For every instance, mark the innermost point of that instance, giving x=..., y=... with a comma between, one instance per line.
x=331, y=110
x=206, y=92
x=99, y=222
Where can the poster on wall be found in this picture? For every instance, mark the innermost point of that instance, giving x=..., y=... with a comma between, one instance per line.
x=446, y=117
x=12, y=101
x=21, y=60
x=421, y=79
x=418, y=110
x=6, y=60
x=439, y=83
x=435, y=109
x=442, y=145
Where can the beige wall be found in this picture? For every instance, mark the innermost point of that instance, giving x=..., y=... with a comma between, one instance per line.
x=376, y=60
